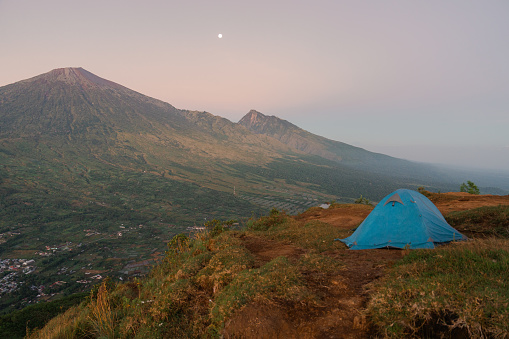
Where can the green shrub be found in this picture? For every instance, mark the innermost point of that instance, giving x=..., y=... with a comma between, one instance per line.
x=469, y=187
x=274, y=219
x=363, y=201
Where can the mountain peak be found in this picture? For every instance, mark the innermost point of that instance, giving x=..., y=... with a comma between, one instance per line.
x=252, y=118
x=73, y=101
x=261, y=123
x=75, y=76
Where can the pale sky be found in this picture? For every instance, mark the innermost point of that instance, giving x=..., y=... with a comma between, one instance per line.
x=421, y=80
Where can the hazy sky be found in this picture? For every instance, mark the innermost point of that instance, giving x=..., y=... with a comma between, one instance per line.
x=422, y=80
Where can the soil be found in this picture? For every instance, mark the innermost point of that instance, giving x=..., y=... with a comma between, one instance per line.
x=264, y=250
x=458, y=201
x=343, y=296
x=345, y=216
x=344, y=293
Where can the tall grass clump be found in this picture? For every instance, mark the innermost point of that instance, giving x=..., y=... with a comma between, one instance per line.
x=461, y=289
x=101, y=315
x=482, y=222
x=274, y=219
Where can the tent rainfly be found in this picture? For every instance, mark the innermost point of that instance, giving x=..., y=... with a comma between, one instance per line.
x=403, y=219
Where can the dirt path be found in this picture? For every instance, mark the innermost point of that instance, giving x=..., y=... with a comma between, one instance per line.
x=342, y=295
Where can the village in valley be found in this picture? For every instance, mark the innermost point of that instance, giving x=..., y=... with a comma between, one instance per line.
x=37, y=265
x=30, y=274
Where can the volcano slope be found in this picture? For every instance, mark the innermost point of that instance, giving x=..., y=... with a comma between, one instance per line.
x=285, y=277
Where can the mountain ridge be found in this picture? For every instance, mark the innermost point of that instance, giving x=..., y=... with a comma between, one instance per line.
x=287, y=133
x=339, y=152
x=362, y=159
x=75, y=104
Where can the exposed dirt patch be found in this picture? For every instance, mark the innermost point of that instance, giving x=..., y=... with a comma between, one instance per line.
x=460, y=201
x=338, y=313
x=264, y=250
x=341, y=293
x=343, y=216
x=351, y=215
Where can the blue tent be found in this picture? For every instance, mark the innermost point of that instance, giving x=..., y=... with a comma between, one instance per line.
x=402, y=219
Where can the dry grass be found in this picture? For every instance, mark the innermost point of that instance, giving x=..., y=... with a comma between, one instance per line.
x=101, y=316
x=482, y=222
x=278, y=278
x=459, y=289
x=70, y=324
x=200, y=283
x=314, y=235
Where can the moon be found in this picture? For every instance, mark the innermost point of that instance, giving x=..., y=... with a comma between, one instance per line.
x=219, y=35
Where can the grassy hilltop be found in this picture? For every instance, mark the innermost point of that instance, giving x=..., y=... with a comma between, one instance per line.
x=285, y=276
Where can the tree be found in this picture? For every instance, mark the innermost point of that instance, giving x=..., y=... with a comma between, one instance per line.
x=469, y=187
x=363, y=201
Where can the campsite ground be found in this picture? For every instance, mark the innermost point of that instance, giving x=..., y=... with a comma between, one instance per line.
x=343, y=297
x=351, y=215
x=285, y=277
x=343, y=293
x=461, y=201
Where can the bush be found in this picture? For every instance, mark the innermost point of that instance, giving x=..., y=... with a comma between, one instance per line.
x=275, y=218
x=469, y=187
x=363, y=201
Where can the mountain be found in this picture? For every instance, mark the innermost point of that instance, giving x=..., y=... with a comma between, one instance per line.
x=406, y=172
x=88, y=122
x=69, y=128
x=94, y=177
x=302, y=140
x=75, y=104
x=336, y=151
x=102, y=175
x=70, y=101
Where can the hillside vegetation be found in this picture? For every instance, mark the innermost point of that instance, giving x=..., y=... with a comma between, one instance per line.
x=286, y=276
x=95, y=178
